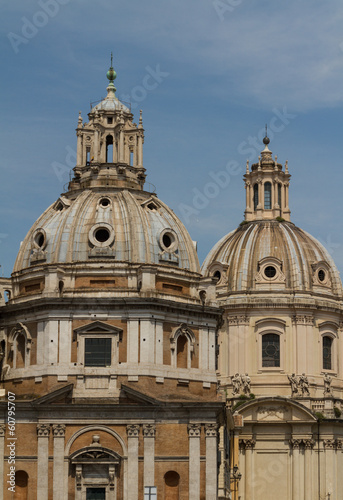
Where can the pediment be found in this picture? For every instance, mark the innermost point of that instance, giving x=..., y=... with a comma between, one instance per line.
x=98, y=327
x=137, y=397
x=59, y=396
x=275, y=410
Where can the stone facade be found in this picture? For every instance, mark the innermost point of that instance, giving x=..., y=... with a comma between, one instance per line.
x=129, y=373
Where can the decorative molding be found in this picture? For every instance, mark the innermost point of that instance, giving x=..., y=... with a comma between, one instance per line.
x=211, y=430
x=302, y=320
x=2, y=430
x=43, y=430
x=149, y=430
x=247, y=444
x=194, y=430
x=132, y=430
x=241, y=319
x=58, y=430
x=329, y=444
x=295, y=443
x=309, y=444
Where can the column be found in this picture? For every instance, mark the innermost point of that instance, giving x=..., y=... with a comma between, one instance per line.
x=132, y=461
x=249, y=445
x=194, y=432
x=330, y=447
x=79, y=149
x=211, y=461
x=2, y=453
x=121, y=144
x=140, y=151
x=149, y=454
x=58, y=467
x=295, y=444
x=43, y=431
x=96, y=145
x=309, y=443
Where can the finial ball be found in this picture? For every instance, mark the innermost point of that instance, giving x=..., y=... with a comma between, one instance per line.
x=266, y=140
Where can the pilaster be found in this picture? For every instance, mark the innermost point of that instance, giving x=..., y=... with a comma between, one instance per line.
x=43, y=432
x=132, y=460
x=149, y=431
x=58, y=467
x=194, y=433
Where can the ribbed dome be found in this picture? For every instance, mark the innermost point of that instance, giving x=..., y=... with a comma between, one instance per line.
x=272, y=255
x=111, y=225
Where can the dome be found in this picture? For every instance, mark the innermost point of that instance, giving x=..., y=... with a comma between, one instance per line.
x=110, y=103
x=272, y=255
x=112, y=225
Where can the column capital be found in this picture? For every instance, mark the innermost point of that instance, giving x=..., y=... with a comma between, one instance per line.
x=248, y=444
x=132, y=430
x=194, y=430
x=43, y=430
x=58, y=430
x=2, y=430
x=211, y=430
x=309, y=444
x=149, y=430
x=295, y=443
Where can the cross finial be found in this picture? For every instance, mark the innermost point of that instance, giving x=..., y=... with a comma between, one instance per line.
x=266, y=131
x=111, y=59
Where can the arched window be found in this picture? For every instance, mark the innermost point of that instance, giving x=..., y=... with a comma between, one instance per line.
x=171, y=485
x=182, y=351
x=255, y=196
x=109, y=149
x=270, y=350
x=20, y=351
x=21, y=485
x=327, y=353
x=267, y=195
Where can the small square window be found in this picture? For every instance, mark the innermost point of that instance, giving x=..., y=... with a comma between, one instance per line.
x=150, y=493
x=98, y=351
x=109, y=120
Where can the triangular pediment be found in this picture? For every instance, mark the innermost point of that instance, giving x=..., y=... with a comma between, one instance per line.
x=61, y=395
x=98, y=327
x=138, y=397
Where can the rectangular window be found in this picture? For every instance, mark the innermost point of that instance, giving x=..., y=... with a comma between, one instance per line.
x=131, y=158
x=150, y=493
x=98, y=352
x=96, y=494
x=109, y=120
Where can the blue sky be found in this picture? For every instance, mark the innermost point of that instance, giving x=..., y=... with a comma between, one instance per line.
x=221, y=70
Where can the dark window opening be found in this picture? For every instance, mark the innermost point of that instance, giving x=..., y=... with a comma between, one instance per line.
x=279, y=189
x=267, y=196
x=39, y=239
x=270, y=271
x=109, y=120
x=321, y=275
x=104, y=202
x=102, y=235
x=88, y=156
x=96, y=494
x=327, y=354
x=152, y=206
x=255, y=196
x=217, y=275
x=109, y=149
x=98, y=352
x=270, y=350
x=167, y=241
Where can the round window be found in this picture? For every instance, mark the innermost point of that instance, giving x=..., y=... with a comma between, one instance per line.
x=101, y=235
x=168, y=240
x=39, y=239
x=270, y=272
x=321, y=275
x=104, y=202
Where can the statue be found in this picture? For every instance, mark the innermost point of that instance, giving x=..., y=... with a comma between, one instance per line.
x=246, y=381
x=327, y=385
x=236, y=384
x=304, y=385
x=294, y=384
